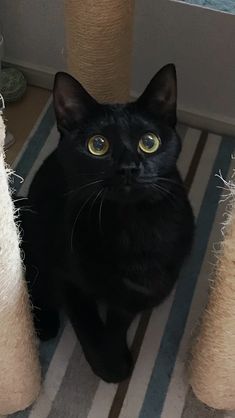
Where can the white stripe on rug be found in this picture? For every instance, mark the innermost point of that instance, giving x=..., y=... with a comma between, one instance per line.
x=102, y=400
x=178, y=388
x=151, y=344
x=55, y=373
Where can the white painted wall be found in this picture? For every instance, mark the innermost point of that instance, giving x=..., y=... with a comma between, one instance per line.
x=201, y=42
x=34, y=31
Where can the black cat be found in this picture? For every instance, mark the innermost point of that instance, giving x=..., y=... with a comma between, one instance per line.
x=110, y=220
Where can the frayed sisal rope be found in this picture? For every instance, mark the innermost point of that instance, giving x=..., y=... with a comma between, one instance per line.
x=19, y=364
x=99, y=43
x=212, y=368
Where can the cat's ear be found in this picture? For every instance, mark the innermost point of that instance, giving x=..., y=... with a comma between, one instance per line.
x=72, y=103
x=160, y=96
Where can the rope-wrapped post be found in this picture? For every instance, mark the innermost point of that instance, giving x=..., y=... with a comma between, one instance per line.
x=99, y=43
x=212, y=367
x=19, y=370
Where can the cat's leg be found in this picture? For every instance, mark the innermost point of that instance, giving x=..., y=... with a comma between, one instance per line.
x=95, y=338
x=119, y=356
x=88, y=326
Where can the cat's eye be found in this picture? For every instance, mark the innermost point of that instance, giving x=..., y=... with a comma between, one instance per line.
x=98, y=145
x=149, y=143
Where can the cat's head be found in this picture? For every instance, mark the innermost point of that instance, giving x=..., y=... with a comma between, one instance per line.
x=124, y=149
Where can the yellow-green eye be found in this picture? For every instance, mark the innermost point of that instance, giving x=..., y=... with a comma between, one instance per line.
x=98, y=145
x=149, y=143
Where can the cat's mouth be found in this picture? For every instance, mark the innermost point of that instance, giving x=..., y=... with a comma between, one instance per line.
x=128, y=191
x=129, y=181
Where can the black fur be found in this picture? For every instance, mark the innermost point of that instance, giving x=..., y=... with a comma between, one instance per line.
x=113, y=229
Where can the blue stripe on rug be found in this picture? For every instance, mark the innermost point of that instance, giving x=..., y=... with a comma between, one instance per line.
x=164, y=365
x=33, y=148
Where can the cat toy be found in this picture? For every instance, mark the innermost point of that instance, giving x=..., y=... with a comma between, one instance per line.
x=99, y=44
x=20, y=370
x=213, y=357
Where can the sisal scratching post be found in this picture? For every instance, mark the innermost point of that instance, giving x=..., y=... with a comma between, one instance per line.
x=99, y=43
x=213, y=357
x=19, y=370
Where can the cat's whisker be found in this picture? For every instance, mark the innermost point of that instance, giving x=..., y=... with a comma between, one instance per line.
x=26, y=209
x=83, y=187
x=20, y=199
x=163, y=189
x=171, y=181
x=164, y=192
x=100, y=210
x=93, y=202
x=76, y=219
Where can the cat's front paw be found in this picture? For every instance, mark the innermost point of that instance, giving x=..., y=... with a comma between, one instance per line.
x=114, y=367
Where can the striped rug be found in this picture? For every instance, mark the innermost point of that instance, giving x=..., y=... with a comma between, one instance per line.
x=160, y=340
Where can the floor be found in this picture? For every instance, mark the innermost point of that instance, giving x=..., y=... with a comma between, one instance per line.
x=20, y=117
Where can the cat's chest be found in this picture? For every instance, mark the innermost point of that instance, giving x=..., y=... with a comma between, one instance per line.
x=135, y=238
x=126, y=231
x=126, y=234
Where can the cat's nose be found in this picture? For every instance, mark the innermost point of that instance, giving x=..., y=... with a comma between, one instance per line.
x=127, y=171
